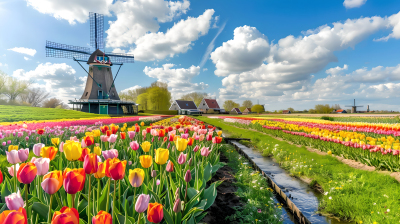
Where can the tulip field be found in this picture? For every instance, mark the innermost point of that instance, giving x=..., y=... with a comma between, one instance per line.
x=95, y=171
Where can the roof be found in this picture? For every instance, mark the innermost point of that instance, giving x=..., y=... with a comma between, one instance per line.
x=185, y=104
x=212, y=103
x=285, y=111
x=94, y=56
x=248, y=109
x=339, y=111
x=236, y=109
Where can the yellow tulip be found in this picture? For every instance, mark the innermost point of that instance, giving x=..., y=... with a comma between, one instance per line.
x=12, y=147
x=72, y=150
x=219, y=133
x=97, y=150
x=96, y=133
x=146, y=161
x=101, y=171
x=181, y=144
x=146, y=146
x=136, y=177
x=162, y=156
x=89, y=134
x=55, y=141
x=131, y=129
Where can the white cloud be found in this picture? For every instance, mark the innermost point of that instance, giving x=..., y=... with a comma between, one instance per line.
x=353, y=3
x=26, y=58
x=336, y=70
x=215, y=22
x=205, y=69
x=135, y=18
x=59, y=79
x=178, y=79
x=131, y=88
x=177, y=39
x=394, y=22
x=23, y=50
x=72, y=10
x=210, y=47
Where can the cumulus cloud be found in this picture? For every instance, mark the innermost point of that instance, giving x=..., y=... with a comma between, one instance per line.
x=131, y=88
x=177, y=39
x=178, y=79
x=23, y=50
x=73, y=10
x=394, y=23
x=353, y=3
x=26, y=58
x=135, y=18
x=336, y=70
x=59, y=79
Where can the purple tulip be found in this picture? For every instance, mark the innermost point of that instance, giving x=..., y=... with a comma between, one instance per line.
x=14, y=201
x=42, y=165
x=188, y=176
x=177, y=206
x=12, y=157
x=110, y=154
x=142, y=203
x=23, y=154
x=37, y=148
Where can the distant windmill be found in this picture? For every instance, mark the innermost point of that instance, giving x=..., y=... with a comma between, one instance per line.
x=353, y=107
x=100, y=95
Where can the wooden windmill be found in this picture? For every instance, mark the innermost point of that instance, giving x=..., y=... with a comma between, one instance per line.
x=100, y=95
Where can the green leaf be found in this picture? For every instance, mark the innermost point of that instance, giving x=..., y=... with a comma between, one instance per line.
x=192, y=202
x=167, y=217
x=81, y=221
x=210, y=194
x=178, y=219
x=5, y=190
x=192, y=192
x=191, y=211
x=200, y=217
x=207, y=172
x=41, y=209
x=155, y=196
x=103, y=198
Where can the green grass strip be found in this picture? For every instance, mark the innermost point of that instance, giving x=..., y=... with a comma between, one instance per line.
x=350, y=194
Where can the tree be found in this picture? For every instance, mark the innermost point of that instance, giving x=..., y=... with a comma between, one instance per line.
x=258, y=108
x=54, y=103
x=247, y=104
x=159, y=98
x=322, y=109
x=14, y=88
x=229, y=105
x=142, y=101
x=34, y=97
x=291, y=110
x=132, y=94
x=336, y=107
x=242, y=108
x=196, y=97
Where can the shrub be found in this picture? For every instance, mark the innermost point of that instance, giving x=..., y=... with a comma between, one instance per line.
x=327, y=118
x=210, y=111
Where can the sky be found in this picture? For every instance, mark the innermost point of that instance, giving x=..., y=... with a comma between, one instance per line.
x=281, y=53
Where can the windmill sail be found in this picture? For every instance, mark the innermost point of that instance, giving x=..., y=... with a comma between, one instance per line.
x=96, y=30
x=57, y=50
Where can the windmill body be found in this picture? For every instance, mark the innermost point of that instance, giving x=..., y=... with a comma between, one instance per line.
x=354, y=107
x=100, y=95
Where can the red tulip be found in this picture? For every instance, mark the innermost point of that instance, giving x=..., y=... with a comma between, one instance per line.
x=26, y=173
x=104, y=129
x=123, y=135
x=155, y=212
x=1, y=177
x=74, y=180
x=115, y=168
x=89, y=140
x=85, y=151
x=108, y=133
x=170, y=166
x=90, y=163
x=40, y=131
x=148, y=130
x=190, y=142
x=137, y=128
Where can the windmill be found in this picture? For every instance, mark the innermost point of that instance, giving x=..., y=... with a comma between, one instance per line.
x=100, y=95
x=353, y=107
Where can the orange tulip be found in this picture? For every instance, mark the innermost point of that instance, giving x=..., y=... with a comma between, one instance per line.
x=90, y=163
x=114, y=128
x=14, y=217
x=65, y=216
x=49, y=152
x=85, y=151
x=101, y=171
x=123, y=135
x=146, y=161
x=155, y=212
x=190, y=142
x=74, y=180
x=116, y=168
x=161, y=133
x=89, y=140
x=52, y=182
x=108, y=133
x=104, y=129
x=26, y=173
x=102, y=218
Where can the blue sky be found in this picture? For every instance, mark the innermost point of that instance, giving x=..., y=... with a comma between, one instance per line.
x=280, y=53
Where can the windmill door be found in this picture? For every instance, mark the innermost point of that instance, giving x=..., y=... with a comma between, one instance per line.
x=103, y=109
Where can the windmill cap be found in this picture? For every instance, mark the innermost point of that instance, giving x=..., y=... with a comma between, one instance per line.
x=94, y=56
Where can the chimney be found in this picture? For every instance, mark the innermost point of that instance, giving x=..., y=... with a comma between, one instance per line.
x=367, y=108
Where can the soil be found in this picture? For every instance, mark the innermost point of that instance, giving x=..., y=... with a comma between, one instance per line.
x=226, y=199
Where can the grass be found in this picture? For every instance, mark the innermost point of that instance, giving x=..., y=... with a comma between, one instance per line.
x=253, y=190
x=350, y=194
x=25, y=113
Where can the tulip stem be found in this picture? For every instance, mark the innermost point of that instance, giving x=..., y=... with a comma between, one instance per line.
x=119, y=190
x=49, y=215
x=108, y=193
x=73, y=200
x=186, y=191
x=27, y=201
x=138, y=220
x=113, y=211
x=134, y=201
x=88, y=211
x=15, y=177
x=98, y=194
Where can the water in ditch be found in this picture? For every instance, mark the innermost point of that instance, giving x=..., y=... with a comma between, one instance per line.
x=305, y=198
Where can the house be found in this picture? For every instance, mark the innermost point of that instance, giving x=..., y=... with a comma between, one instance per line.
x=207, y=104
x=341, y=111
x=235, y=111
x=286, y=112
x=185, y=107
x=247, y=111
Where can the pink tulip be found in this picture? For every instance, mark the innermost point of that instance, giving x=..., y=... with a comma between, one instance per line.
x=144, y=132
x=83, y=144
x=158, y=182
x=201, y=138
x=205, y=152
x=4, y=143
x=196, y=148
x=14, y=201
x=129, y=163
x=104, y=138
x=42, y=165
x=134, y=145
x=142, y=203
x=75, y=139
x=209, y=137
x=50, y=185
x=61, y=147
x=26, y=138
x=112, y=138
x=132, y=134
x=37, y=148
x=23, y=154
x=11, y=170
x=12, y=157
x=9, y=142
x=110, y=154
x=182, y=158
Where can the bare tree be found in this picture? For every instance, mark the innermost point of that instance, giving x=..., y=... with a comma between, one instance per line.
x=34, y=96
x=15, y=88
x=54, y=103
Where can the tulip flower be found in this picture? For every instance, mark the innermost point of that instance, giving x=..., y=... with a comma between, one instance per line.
x=72, y=150
x=114, y=128
x=104, y=138
x=177, y=206
x=97, y=150
x=26, y=173
x=217, y=140
x=142, y=203
x=112, y=138
x=89, y=140
x=85, y=152
x=37, y=148
x=137, y=128
x=155, y=212
x=154, y=173
x=182, y=158
x=55, y=141
x=146, y=146
x=185, y=136
x=101, y=171
x=12, y=157
x=188, y=176
x=96, y=133
x=170, y=166
x=131, y=134
x=66, y=216
x=136, y=177
x=48, y=152
x=134, y=145
x=23, y=154
x=61, y=147
x=104, y=129
x=13, y=216
x=219, y=133
x=14, y=201
x=205, y=152
x=74, y=180
x=116, y=168
x=42, y=165
x=1, y=177
x=190, y=142
x=83, y=143
x=110, y=154
x=162, y=156
x=209, y=137
x=122, y=135
x=196, y=148
x=102, y=217
x=146, y=161
x=40, y=131
x=52, y=182
x=12, y=147
x=181, y=144
x=90, y=164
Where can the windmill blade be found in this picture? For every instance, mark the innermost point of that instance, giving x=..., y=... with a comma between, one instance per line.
x=121, y=58
x=349, y=106
x=57, y=50
x=96, y=30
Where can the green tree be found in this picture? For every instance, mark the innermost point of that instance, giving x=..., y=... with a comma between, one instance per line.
x=258, y=108
x=242, y=108
x=196, y=97
x=159, y=98
x=291, y=109
x=247, y=104
x=229, y=105
x=322, y=109
x=142, y=101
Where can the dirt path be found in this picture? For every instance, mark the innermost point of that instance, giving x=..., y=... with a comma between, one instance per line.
x=226, y=198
